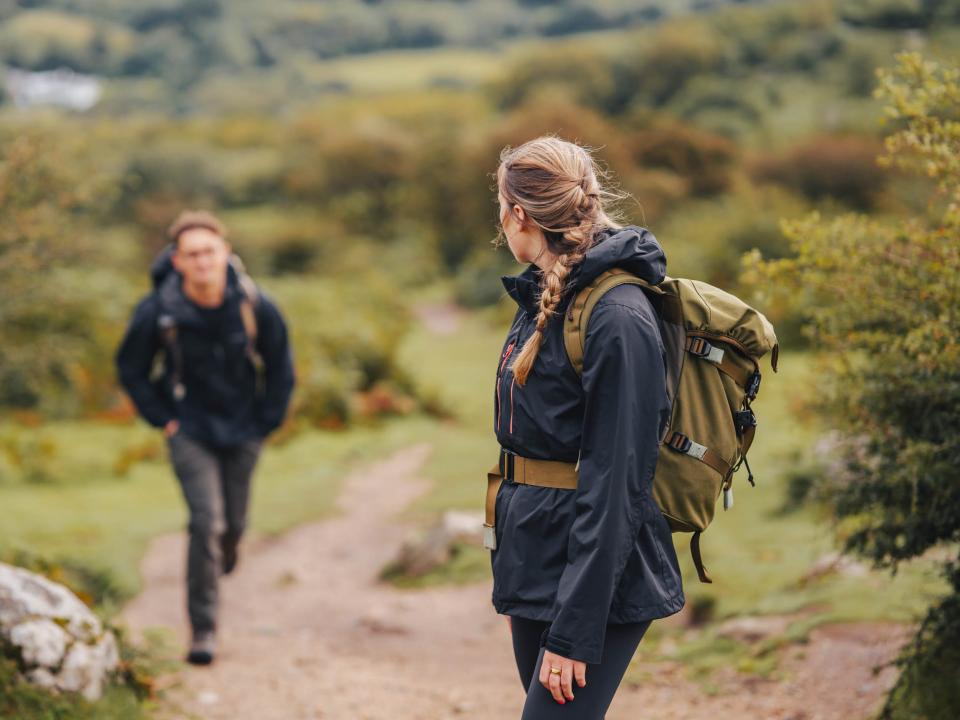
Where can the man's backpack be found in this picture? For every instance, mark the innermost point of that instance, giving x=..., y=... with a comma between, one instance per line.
x=161, y=267
x=713, y=343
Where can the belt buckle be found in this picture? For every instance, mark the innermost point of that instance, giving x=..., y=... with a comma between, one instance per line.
x=508, y=464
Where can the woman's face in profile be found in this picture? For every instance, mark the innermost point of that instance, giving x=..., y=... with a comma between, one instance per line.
x=524, y=243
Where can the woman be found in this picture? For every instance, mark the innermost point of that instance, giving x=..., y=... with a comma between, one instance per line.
x=580, y=571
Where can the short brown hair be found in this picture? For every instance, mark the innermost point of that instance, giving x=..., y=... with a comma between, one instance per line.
x=191, y=219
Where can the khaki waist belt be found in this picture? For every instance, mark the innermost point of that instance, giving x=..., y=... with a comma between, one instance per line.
x=524, y=471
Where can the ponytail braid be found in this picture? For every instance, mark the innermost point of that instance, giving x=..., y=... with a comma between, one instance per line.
x=558, y=184
x=552, y=286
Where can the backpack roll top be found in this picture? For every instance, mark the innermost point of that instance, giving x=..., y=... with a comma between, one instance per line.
x=714, y=312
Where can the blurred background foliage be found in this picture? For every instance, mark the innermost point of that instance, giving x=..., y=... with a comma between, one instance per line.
x=349, y=146
x=718, y=123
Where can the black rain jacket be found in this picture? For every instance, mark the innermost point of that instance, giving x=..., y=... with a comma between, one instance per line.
x=602, y=553
x=221, y=406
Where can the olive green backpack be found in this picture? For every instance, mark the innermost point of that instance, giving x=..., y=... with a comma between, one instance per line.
x=713, y=343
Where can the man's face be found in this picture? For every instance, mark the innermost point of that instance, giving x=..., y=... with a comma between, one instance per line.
x=201, y=257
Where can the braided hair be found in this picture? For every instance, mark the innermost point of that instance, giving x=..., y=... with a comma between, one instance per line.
x=558, y=185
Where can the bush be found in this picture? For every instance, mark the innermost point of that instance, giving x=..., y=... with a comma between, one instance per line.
x=881, y=296
x=703, y=160
x=680, y=52
x=348, y=348
x=583, y=74
x=842, y=167
x=478, y=280
x=900, y=14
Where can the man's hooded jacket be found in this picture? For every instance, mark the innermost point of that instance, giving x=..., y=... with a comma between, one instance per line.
x=221, y=404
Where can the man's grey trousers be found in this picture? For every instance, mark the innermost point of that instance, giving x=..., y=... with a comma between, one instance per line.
x=216, y=486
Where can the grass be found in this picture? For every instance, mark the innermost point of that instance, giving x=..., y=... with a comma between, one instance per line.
x=82, y=511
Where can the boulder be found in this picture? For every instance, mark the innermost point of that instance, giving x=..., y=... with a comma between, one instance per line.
x=752, y=629
x=421, y=555
x=61, y=643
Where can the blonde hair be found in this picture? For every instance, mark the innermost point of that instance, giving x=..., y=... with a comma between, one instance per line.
x=558, y=185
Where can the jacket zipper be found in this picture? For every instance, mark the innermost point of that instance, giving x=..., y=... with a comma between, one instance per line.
x=503, y=363
x=512, y=383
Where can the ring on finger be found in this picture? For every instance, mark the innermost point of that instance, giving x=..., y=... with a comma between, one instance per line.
x=555, y=671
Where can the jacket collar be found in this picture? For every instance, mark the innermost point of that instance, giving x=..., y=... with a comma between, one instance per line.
x=632, y=248
x=174, y=302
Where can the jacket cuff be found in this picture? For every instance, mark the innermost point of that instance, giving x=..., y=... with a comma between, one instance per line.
x=565, y=648
x=159, y=420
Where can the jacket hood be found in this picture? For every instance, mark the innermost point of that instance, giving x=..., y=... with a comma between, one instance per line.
x=632, y=248
x=167, y=284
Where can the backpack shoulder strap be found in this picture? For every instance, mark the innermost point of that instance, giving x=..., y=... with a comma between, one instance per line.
x=581, y=306
x=248, y=306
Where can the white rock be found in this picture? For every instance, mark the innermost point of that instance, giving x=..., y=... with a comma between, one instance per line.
x=61, y=642
x=42, y=642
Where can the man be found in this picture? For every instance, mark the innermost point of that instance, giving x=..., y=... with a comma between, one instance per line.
x=225, y=384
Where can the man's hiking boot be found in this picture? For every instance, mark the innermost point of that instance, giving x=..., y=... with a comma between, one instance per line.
x=202, y=647
x=228, y=553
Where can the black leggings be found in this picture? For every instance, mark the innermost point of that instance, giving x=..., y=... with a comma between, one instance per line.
x=590, y=702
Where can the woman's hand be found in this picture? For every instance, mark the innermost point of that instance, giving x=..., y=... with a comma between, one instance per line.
x=560, y=684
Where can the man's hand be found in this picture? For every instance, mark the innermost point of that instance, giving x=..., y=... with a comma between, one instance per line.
x=560, y=684
x=170, y=429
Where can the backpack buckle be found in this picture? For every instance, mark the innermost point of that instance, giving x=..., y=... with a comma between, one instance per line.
x=753, y=386
x=744, y=419
x=701, y=348
x=680, y=442
x=698, y=347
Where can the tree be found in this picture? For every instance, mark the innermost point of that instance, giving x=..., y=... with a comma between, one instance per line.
x=884, y=301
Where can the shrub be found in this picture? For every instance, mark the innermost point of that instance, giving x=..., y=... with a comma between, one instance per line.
x=842, y=167
x=881, y=296
x=703, y=159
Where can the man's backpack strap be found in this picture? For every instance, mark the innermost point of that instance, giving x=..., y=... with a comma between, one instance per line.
x=581, y=307
x=248, y=314
x=167, y=326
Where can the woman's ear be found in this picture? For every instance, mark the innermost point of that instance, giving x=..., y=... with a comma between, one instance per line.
x=519, y=214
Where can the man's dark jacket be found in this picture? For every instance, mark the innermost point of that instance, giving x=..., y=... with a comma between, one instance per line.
x=602, y=553
x=221, y=405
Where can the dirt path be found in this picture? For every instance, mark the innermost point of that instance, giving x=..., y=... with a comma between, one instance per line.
x=307, y=632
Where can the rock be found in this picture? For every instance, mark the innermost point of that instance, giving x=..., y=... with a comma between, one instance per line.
x=835, y=563
x=378, y=620
x=42, y=642
x=419, y=556
x=61, y=643
x=753, y=629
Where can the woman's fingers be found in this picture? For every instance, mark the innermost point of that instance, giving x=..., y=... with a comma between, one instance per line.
x=566, y=679
x=555, y=688
x=580, y=673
